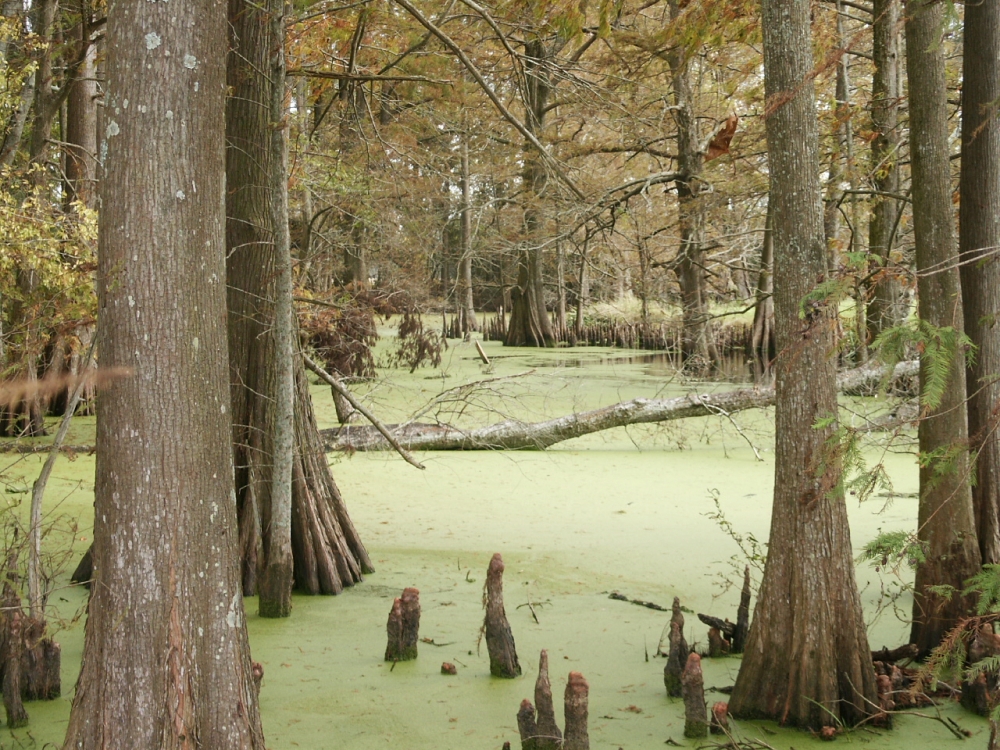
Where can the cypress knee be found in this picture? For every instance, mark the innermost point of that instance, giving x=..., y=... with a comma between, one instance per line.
x=549, y=736
x=742, y=616
x=695, y=711
x=575, y=708
x=499, y=639
x=526, y=726
x=676, y=658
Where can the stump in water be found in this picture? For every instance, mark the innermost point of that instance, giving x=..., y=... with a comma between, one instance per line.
x=575, y=708
x=548, y=735
x=499, y=639
x=735, y=635
x=11, y=650
x=720, y=718
x=403, y=627
x=717, y=645
x=695, y=711
x=676, y=658
x=41, y=661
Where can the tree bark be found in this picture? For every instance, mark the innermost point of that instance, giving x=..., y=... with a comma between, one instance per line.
x=979, y=238
x=250, y=276
x=516, y=435
x=885, y=308
x=945, y=524
x=807, y=661
x=166, y=660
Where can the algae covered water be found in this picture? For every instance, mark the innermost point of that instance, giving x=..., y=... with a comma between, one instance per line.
x=629, y=510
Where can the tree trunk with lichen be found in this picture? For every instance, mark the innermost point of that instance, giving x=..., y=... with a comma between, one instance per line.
x=166, y=571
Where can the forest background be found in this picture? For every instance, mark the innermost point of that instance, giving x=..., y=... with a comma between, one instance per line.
x=576, y=173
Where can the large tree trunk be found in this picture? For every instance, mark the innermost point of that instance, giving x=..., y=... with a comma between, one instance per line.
x=166, y=660
x=326, y=551
x=276, y=570
x=699, y=351
x=945, y=523
x=250, y=276
x=885, y=307
x=516, y=435
x=529, y=322
x=807, y=660
x=979, y=225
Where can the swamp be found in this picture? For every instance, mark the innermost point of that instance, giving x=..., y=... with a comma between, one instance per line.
x=377, y=372
x=633, y=510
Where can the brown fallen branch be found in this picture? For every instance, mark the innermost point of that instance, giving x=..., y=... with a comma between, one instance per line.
x=516, y=435
x=723, y=626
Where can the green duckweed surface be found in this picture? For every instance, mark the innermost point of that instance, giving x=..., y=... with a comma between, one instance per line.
x=626, y=510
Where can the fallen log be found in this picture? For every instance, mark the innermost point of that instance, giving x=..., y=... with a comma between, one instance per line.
x=513, y=434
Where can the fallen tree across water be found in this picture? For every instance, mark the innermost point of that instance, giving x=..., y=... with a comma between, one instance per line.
x=516, y=435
